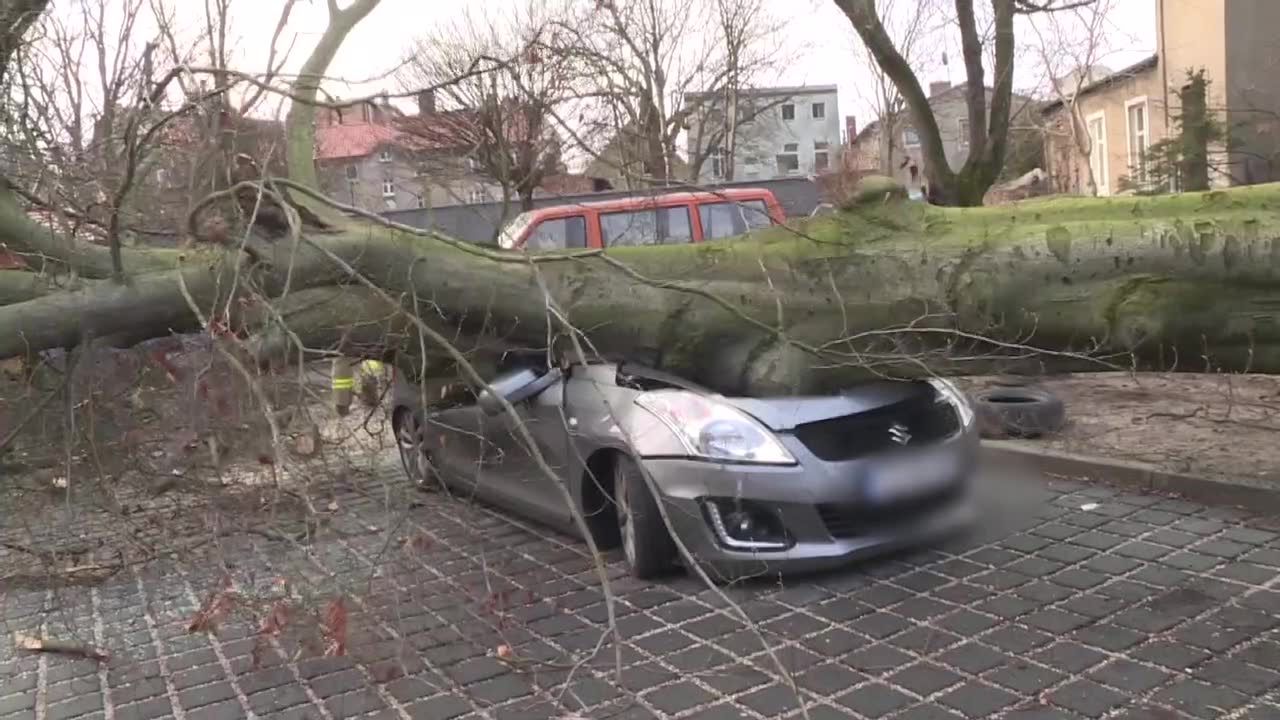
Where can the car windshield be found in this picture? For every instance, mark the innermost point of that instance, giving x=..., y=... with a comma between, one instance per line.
x=511, y=233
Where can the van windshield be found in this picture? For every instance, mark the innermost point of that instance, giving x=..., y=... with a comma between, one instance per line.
x=514, y=229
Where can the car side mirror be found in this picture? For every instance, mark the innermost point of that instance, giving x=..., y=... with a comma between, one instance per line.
x=515, y=386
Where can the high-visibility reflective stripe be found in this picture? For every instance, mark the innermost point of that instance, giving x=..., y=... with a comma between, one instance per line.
x=343, y=383
x=372, y=366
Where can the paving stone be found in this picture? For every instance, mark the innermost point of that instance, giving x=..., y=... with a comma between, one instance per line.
x=1069, y=656
x=829, y=678
x=1240, y=675
x=224, y=710
x=925, y=678
x=961, y=594
x=75, y=707
x=975, y=699
x=1087, y=698
x=924, y=640
x=1025, y=677
x=877, y=659
x=1055, y=621
x=973, y=658
x=1108, y=637
x=928, y=711
x=678, y=697
x=145, y=710
x=874, y=700
x=1044, y=592
x=966, y=622
x=1017, y=640
x=880, y=624
x=834, y=643
x=771, y=700
x=841, y=609
x=1127, y=675
x=1201, y=699
x=1263, y=654
x=922, y=580
x=1174, y=655
x=1066, y=553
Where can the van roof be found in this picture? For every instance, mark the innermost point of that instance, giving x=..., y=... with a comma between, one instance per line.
x=734, y=194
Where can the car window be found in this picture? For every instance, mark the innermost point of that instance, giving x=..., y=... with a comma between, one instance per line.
x=756, y=214
x=721, y=220
x=661, y=226
x=558, y=234
x=674, y=226
x=634, y=227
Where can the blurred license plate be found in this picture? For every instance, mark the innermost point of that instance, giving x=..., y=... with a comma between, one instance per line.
x=909, y=477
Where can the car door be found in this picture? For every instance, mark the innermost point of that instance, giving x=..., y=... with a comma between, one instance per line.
x=518, y=480
x=461, y=449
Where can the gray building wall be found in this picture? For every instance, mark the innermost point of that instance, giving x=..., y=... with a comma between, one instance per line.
x=416, y=182
x=480, y=222
x=761, y=140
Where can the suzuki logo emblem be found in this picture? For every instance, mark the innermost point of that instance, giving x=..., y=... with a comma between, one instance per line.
x=899, y=433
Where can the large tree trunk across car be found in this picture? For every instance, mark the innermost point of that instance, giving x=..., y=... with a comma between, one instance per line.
x=883, y=287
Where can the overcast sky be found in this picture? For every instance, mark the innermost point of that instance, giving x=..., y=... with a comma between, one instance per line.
x=817, y=30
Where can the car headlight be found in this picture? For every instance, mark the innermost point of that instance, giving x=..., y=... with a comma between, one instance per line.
x=948, y=392
x=714, y=430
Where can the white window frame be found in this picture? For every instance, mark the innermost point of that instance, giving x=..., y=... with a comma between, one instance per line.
x=353, y=172
x=791, y=150
x=1128, y=132
x=388, y=187
x=814, y=106
x=384, y=156
x=821, y=148
x=1103, y=183
x=476, y=196
x=782, y=111
x=914, y=131
x=962, y=132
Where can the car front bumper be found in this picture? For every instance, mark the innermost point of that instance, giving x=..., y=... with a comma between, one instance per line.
x=824, y=508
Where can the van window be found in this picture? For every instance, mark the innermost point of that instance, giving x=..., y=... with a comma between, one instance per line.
x=558, y=234
x=721, y=220
x=663, y=226
x=756, y=214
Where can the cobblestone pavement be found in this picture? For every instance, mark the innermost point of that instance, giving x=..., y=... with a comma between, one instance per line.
x=1136, y=607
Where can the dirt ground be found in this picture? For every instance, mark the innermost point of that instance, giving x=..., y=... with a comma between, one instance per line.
x=1212, y=425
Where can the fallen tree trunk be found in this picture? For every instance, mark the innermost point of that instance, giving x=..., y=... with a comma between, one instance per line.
x=1186, y=282
x=886, y=287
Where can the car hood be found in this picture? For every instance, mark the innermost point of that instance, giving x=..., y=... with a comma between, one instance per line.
x=786, y=413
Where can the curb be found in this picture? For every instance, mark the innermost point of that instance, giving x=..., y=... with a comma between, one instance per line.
x=1254, y=495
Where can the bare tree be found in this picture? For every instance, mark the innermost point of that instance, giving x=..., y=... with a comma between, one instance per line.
x=498, y=125
x=750, y=55
x=1071, y=46
x=988, y=127
x=911, y=25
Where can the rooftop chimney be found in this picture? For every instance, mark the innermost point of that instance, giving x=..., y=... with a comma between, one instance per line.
x=938, y=87
x=850, y=128
x=426, y=102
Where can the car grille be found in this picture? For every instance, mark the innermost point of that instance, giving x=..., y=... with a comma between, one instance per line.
x=912, y=422
x=851, y=521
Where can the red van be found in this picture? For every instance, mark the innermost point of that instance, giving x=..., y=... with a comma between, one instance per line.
x=650, y=220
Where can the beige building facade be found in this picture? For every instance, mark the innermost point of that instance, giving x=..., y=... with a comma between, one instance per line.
x=1119, y=117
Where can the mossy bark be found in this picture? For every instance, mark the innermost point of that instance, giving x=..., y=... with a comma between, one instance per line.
x=1186, y=282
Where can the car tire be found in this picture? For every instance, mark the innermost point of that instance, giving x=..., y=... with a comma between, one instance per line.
x=1018, y=412
x=646, y=543
x=414, y=457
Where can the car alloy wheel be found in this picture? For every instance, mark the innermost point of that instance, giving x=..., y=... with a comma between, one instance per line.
x=626, y=528
x=413, y=452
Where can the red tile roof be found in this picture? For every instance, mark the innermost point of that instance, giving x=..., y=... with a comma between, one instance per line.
x=335, y=142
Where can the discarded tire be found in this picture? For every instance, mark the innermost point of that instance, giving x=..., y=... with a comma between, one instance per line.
x=1020, y=412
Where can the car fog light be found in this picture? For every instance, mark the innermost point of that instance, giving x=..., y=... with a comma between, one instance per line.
x=744, y=525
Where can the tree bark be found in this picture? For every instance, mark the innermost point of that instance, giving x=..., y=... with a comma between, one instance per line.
x=1188, y=282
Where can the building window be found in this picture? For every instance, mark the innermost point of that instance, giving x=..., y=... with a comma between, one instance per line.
x=789, y=158
x=962, y=132
x=1097, y=126
x=384, y=156
x=1136, y=127
x=473, y=165
x=717, y=163
x=789, y=112
x=353, y=172
x=477, y=195
x=422, y=201
x=821, y=157
x=819, y=110
x=910, y=138
x=388, y=187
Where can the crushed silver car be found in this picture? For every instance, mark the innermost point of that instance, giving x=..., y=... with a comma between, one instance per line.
x=749, y=485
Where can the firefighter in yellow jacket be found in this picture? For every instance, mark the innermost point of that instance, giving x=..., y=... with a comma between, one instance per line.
x=344, y=378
